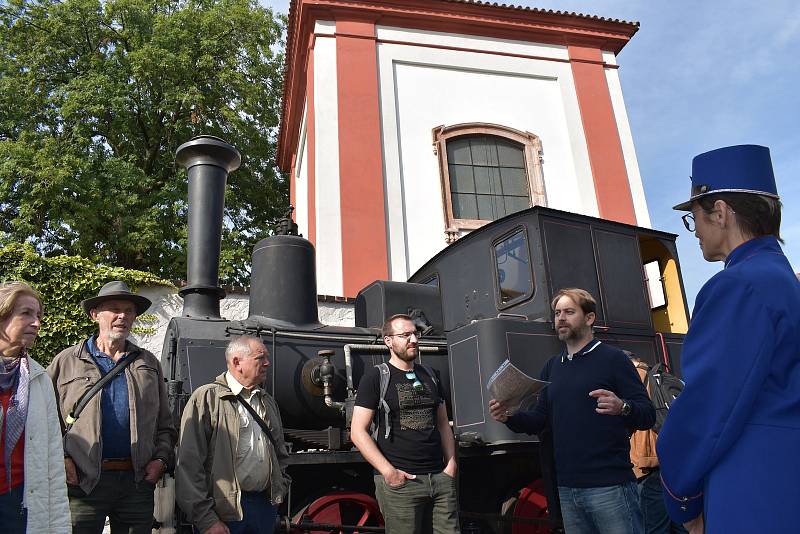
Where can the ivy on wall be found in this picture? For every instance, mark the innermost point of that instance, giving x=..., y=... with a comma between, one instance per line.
x=63, y=282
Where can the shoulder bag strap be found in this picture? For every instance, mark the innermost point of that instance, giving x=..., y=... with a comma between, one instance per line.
x=258, y=419
x=86, y=397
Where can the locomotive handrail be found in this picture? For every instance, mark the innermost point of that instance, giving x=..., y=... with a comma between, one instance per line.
x=512, y=315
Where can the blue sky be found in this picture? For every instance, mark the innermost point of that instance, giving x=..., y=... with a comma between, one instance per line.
x=698, y=76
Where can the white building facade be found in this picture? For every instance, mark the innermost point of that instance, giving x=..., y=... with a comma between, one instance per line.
x=406, y=126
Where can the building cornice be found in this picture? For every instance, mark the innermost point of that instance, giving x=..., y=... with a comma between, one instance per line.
x=467, y=17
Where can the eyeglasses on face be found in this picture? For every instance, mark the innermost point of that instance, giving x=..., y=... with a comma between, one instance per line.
x=411, y=375
x=407, y=335
x=688, y=221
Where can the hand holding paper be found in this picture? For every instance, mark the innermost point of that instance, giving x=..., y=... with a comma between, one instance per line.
x=510, y=388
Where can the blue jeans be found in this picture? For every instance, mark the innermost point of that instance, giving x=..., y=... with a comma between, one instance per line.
x=259, y=515
x=654, y=512
x=423, y=505
x=13, y=517
x=604, y=510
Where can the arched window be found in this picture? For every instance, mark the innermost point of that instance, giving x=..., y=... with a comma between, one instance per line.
x=488, y=171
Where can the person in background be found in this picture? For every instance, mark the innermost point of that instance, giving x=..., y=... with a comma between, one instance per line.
x=33, y=490
x=119, y=446
x=729, y=446
x=645, y=468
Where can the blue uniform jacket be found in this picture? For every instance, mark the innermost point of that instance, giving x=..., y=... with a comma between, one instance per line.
x=730, y=446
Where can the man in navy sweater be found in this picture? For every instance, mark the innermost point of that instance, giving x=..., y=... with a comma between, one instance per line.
x=594, y=401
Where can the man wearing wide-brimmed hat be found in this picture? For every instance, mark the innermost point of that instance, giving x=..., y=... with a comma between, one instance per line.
x=120, y=441
x=729, y=447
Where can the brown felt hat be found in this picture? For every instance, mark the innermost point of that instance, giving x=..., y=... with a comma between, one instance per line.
x=116, y=290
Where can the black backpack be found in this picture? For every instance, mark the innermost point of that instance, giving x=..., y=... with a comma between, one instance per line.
x=664, y=388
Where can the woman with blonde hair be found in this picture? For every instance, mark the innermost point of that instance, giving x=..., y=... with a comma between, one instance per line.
x=33, y=491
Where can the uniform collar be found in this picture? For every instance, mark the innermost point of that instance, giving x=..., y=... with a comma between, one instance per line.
x=589, y=347
x=764, y=244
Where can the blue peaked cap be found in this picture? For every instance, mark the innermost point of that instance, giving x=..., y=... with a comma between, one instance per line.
x=732, y=169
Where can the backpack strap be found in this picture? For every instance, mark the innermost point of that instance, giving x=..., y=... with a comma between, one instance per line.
x=430, y=373
x=383, y=369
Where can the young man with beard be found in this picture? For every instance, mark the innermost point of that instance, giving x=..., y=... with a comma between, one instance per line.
x=594, y=400
x=414, y=458
x=118, y=447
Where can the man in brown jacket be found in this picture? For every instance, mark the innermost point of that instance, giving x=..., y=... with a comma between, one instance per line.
x=123, y=440
x=231, y=473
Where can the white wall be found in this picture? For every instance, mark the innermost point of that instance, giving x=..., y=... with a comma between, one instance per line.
x=326, y=141
x=427, y=79
x=301, y=180
x=626, y=138
x=423, y=87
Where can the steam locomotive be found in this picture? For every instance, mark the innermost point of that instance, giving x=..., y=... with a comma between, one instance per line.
x=481, y=300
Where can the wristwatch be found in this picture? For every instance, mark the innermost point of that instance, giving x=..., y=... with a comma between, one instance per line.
x=626, y=408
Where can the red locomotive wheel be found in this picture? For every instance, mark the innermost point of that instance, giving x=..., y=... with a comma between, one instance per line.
x=342, y=508
x=530, y=503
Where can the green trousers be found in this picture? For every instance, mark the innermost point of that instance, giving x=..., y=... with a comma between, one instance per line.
x=423, y=505
x=128, y=505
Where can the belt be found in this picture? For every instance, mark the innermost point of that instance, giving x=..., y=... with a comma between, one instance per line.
x=117, y=464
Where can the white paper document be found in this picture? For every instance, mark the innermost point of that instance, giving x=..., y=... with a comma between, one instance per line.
x=514, y=388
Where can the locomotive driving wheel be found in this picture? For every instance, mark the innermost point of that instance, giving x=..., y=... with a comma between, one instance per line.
x=529, y=509
x=340, y=508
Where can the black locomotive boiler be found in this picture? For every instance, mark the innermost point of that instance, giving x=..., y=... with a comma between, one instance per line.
x=479, y=301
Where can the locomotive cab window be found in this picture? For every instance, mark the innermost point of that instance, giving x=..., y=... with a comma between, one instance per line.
x=513, y=269
x=655, y=285
x=432, y=280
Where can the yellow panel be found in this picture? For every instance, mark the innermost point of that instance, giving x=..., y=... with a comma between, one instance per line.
x=672, y=317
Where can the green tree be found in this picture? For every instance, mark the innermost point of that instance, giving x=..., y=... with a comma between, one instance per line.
x=95, y=97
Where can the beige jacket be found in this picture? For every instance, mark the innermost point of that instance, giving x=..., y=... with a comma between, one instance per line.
x=153, y=434
x=206, y=486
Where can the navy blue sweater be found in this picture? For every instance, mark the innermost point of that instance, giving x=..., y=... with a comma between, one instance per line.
x=591, y=449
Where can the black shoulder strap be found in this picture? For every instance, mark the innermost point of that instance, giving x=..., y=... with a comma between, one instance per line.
x=431, y=373
x=261, y=422
x=86, y=397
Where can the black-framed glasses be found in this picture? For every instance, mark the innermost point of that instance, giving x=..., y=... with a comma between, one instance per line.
x=411, y=375
x=688, y=221
x=407, y=335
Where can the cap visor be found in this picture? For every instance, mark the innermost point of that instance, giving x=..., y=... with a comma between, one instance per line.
x=683, y=206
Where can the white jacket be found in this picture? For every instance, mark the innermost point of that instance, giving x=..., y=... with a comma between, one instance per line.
x=45, y=479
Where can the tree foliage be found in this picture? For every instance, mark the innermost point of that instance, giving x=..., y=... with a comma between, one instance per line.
x=63, y=282
x=95, y=97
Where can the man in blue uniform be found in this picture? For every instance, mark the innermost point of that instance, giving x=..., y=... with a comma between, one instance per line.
x=729, y=447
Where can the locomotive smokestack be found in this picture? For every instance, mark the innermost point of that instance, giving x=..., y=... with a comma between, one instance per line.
x=208, y=160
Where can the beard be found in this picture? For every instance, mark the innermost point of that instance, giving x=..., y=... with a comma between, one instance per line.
x=570, y=333
x=114, y=335
x=409, y=354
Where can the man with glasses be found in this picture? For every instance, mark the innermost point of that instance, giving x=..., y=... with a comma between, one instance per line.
x=413, y=452
x=728, y=449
